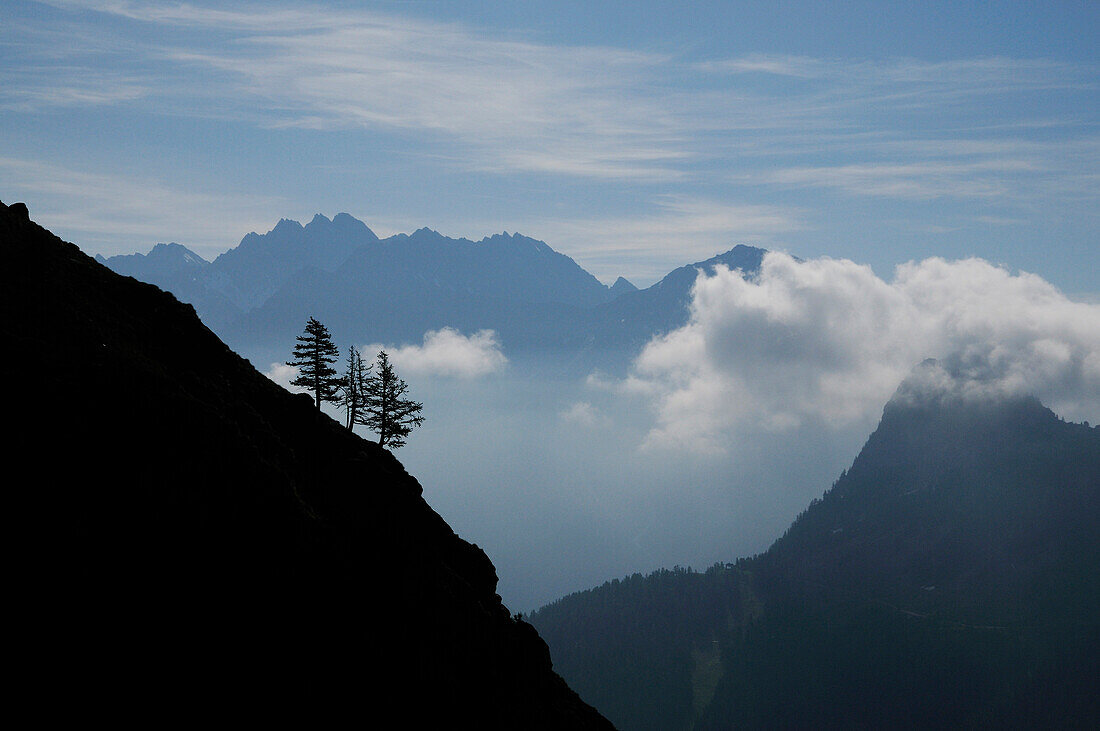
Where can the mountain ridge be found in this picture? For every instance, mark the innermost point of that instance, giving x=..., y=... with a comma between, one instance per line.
x=393, y=290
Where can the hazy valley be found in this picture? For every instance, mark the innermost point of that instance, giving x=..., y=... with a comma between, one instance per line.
x=529, y=437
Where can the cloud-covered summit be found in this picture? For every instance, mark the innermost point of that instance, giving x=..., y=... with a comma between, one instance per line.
x=827, y=341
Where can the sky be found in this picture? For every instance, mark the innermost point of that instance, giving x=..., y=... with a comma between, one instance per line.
x=634, y=137
x=934, y=167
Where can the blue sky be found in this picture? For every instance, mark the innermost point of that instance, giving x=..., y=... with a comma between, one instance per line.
x=634, y=137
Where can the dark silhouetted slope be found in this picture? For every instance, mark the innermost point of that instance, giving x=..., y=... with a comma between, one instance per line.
x=947, y=579
x=192, y=539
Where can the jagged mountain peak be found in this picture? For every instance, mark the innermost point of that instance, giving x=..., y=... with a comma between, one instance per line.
x=743, y=257
x=621, y=285
x=250, y=273
x=286, y=226
x=177, y=251
x=351, y=225
x=747, y=259
x=319, y=225
x=518, y=242
x=171, y=255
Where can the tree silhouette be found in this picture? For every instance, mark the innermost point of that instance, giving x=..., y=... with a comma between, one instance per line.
x=353, y=387
x=314, y=355
x=385, y=411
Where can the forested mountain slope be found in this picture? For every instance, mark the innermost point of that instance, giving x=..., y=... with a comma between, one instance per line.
x=947, y=579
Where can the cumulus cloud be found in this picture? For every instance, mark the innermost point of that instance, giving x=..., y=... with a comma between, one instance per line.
x=283, y=374
x=582, y=413
x=827, y=340
x=447, y=352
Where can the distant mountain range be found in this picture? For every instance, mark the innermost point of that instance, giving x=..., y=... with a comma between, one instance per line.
x=948, y=579
x=365, y=289
x=193, y=541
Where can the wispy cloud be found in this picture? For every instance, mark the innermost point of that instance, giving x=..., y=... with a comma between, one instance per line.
x=914, y=77
x=517, y=105
x=1003, y=171
x=83, y=90
x=192, y=15
x=696, y=228
x=511, y=104
x=114, y=214
x=984, y=179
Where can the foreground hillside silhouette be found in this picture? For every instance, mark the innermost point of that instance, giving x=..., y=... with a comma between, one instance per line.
x=948, y=579
x=197, y=539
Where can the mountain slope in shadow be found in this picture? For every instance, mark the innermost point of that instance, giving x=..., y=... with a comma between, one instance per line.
x=194, y=539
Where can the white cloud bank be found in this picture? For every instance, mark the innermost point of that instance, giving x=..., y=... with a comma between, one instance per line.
x=827, y=341
x=447, y=352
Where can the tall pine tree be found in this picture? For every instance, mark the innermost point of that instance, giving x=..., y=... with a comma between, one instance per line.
x=353, y=387
x=385, y=411
x=314, y=355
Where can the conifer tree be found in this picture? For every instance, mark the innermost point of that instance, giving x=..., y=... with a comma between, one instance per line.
x=314, y=355
x=353, y=387
x=385, y=411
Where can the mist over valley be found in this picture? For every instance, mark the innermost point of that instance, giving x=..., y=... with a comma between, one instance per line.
x=578, y=434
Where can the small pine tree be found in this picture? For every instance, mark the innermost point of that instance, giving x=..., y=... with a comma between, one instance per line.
x=385, y=411
x=314, y=355
x=353, y=387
